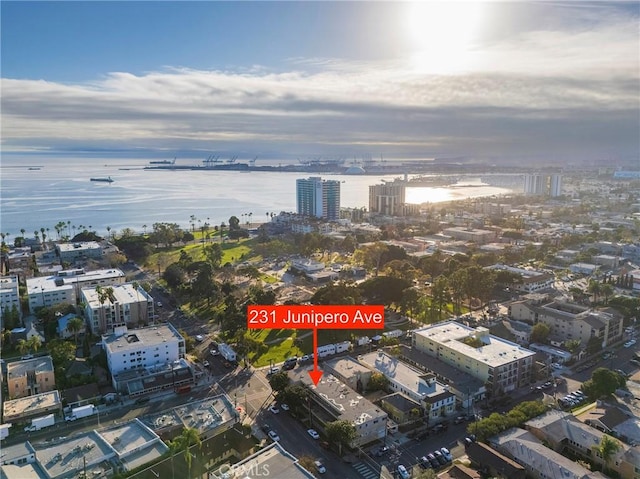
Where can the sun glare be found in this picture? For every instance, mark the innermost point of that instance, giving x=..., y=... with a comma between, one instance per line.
x=441, y=35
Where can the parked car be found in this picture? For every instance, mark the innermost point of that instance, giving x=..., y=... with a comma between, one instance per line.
x=274, y=435
x=424, y=463
x=459, y=420
x=320, y=467
x=274, y=409
x=382, y=451
x=440, y=457
x=433, y=461
x=402, y=472
x=285, y=407
x=313, y=433
x=446, y=453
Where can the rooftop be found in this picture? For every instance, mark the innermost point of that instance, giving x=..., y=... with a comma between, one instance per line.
x=40, y=364
x=411, y=379
x=122, y=293
x=347, y=403
x=205, y=415
x=525, y=447
x=347, y=367
x=273, y=458
x=32, y=405
x=71, y=277
x=136, y=339
x=77, y=245
x=492, y=350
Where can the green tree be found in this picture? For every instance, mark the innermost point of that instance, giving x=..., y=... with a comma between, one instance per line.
x=34, y=343
x=603, y=383
x=74, y=326
x=440, y=294
x=606, y=449
x=62, y=352
x=410, y=301
x=594, y=345
x=572, y=345
x=370, y=256
x=279, y=381
x=540, y=333
x=607, y=291
x=188, y=438
x=342, y=433
x=22, y=346
x=594, y=288
x=234, y=223
x=378, y=382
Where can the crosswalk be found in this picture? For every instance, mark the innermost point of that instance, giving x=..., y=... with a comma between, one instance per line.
x=365, y=471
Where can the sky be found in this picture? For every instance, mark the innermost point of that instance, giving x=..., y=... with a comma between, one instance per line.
x=516, y=82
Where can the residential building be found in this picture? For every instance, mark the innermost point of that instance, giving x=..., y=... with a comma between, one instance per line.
x=9, y=296
x=63, y=330
x=434, y=398
x=475, y=235
x=332, y=400
x=492, y=463
x=29, y=377
x=569, y=321
x=387, y=198
x=117, y=306
x=503, y=365
x=143, y=348
x=539, y=461
x=65, y=286
x=72, y=252
x=532, y=280
x=567, y=435
x=467, y=388
x=318, y=197
x=350, y=372
x=584, y=268
x=401, y=408
x=270, y=461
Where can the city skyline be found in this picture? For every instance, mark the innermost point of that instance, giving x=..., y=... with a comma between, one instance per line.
x=525, y=83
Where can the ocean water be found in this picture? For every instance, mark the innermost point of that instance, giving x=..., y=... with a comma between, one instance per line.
x=61, y=191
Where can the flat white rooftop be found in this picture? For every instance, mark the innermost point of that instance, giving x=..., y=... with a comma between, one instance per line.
x=135, y=339
x=68, y=278
x=493, y=352
x=122, y=293
x=31, y=404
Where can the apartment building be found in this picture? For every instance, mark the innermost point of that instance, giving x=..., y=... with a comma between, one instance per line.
x=569, y=321
x=332, y=400
x=318, y=197
x=532, y=281
x=65, y=286
x=71, y=252
x=121, y=305
x=30, y=376
x=9, y=296
x=435, y=398
x=502, y=365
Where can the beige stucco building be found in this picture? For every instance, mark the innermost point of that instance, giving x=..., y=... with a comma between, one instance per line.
x=30, y=376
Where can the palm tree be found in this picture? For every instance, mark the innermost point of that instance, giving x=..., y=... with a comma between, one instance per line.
x=188, y=438
x=22, y=346
x=74, y=326
x=108, y=231
x=594, y=288
x=144, y=228
x=607, y=448
x=222, y=227
x=22, y=230
x=34, y=343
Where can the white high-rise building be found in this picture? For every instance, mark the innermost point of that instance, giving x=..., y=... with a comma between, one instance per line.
x=534, y=184
x=555, y=185
x=318, y=197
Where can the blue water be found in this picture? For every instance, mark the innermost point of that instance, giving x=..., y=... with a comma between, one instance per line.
x=61, y=191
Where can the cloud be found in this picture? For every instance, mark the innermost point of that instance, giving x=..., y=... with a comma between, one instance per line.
x=573, y=91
